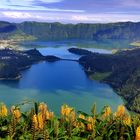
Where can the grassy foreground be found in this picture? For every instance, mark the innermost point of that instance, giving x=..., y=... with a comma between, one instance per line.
x=41, y=124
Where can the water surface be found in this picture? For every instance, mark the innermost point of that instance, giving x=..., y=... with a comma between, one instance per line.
x=106, y=44
x=59, y=83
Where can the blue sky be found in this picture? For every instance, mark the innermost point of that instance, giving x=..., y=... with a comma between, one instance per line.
x=70, y=11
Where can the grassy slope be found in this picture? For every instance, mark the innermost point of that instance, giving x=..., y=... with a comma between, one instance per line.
x=99, y=76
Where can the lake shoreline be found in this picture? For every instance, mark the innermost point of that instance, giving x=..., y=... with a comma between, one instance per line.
x=103, y=63
x=71, y=63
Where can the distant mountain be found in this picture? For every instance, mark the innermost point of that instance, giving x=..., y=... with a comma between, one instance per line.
x=58, y=31
x=10, y=31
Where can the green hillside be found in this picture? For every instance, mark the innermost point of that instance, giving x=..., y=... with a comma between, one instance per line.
x=58, y=31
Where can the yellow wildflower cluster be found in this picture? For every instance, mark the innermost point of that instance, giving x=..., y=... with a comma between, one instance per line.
x=35, y=121
x=137, y=133
x=3, y=111
x=123, y=115
x=46, y=114
x=79, y=123
x=127, y=120
x=16, y=113
x=39, y=119
x=49, y=115
x=120, y=111
x=91, y=123
x=83, y=125
x=68, y=113
x=107, y=112
x=43, y=107
x=81, y=116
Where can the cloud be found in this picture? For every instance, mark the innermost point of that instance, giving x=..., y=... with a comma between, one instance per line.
x=106, y=18
x=70, y=11
x=16, y=15
x=30, y=1
x=19, y=16
x=30, y=5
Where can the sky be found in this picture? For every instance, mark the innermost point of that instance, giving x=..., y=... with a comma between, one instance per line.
x=70, y=11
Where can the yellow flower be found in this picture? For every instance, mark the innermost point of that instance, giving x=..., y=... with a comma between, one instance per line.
x=42, y=107
x=107, y=112
x=17, y=114
x=80, y=124
x=137, y=133
x=73, y=116
x=91, y=123
x=67, y=113
x=65, y=110
x=49, y=115
x=127, y=120
x=40, y=121
x=120, y=111
x=62, y=110
x=3, y=111
x=35, y=121
x=81, y=116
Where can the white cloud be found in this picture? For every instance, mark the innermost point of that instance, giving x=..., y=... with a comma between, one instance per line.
x=105, y=18
x=17, y=15
x=80, y=18
x=67, y=17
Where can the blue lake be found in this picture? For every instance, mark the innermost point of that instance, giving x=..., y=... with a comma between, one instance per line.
x=59, y=83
